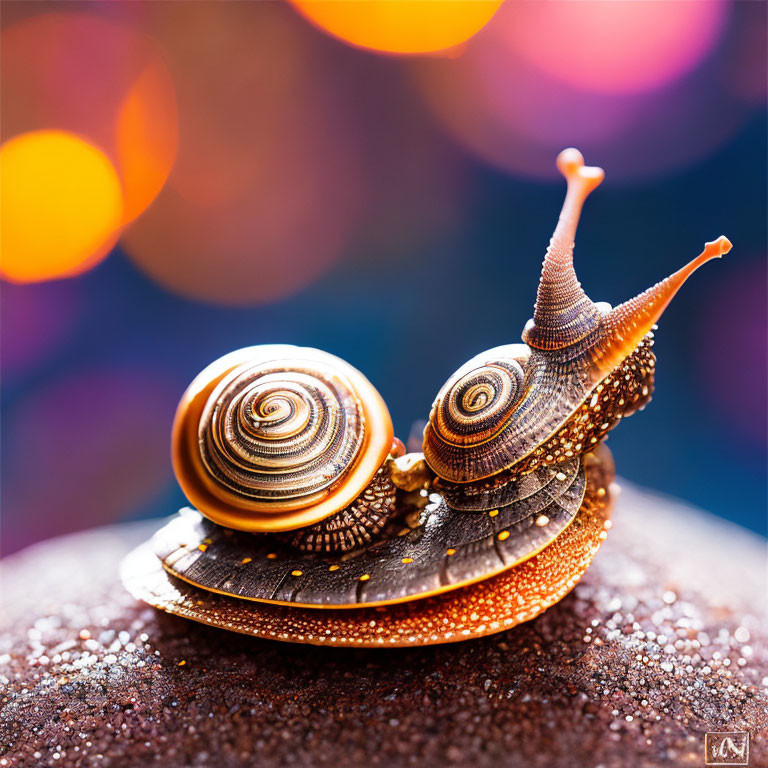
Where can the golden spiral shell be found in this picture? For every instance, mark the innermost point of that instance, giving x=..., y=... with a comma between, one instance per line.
x=471, y=416
x=277, y=437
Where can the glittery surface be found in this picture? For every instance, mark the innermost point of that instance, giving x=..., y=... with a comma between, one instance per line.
x=662, y=640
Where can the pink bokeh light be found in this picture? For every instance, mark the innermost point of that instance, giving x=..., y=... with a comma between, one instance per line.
x=45, y=316
x=263, y=195
x=612, y=46
x=88, y=448
x=513, y=115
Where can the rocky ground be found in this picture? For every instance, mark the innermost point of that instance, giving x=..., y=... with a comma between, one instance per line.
x=662, y=641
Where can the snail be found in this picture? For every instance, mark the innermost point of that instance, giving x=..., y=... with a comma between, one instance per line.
x=515, y=409
x=305, y=500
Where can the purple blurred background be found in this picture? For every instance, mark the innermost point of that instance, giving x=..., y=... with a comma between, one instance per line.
x=392, y=210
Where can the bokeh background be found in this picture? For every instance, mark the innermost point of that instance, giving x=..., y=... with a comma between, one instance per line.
x=376, y=179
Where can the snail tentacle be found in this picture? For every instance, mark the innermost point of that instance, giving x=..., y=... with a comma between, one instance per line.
x=627, y=324
x=564, y=314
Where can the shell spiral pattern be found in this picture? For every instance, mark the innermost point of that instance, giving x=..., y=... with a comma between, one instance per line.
x=276, y=437
x=472, y=409
x=270, y=433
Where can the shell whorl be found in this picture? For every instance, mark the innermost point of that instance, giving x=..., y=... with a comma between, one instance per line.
x=472, y=414
x=270, y=433
x=276, y=437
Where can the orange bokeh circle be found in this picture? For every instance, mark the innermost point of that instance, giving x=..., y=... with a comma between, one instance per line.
x=61, y=204
x=400, y=26
x=102, y=80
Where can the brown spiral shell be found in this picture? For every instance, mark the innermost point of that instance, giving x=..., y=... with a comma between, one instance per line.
x=472, y=415
x=277, y=437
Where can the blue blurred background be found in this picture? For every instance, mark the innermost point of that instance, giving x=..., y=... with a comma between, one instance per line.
x=281, y=184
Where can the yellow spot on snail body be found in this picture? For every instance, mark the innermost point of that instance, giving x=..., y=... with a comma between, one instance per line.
x=296, y=573
x=365, y=577
x=271, y=556
x=503, y=535
x=246, y=560
x=450, y=552
x=182, y=663
x=202, y=547
x=407, y=560
x=334, y=568
x=493, y=513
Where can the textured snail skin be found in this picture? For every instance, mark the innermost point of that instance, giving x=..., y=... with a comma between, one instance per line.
x=583, y=366
x=488, y=606
x=428, y=549
x=354, y=526
x=277, y=437
x=531, y=435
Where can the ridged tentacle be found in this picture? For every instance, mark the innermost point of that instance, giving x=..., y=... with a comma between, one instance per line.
x=564, y=314
x=626, y=325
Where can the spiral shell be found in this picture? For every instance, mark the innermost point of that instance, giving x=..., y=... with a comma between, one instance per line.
x=470, y=422
x=276, y=437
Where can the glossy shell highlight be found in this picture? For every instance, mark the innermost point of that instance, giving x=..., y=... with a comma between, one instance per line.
x=278, y=437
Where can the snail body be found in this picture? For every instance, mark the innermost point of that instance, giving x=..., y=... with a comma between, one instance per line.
x=443, y=549
x=304, y=499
